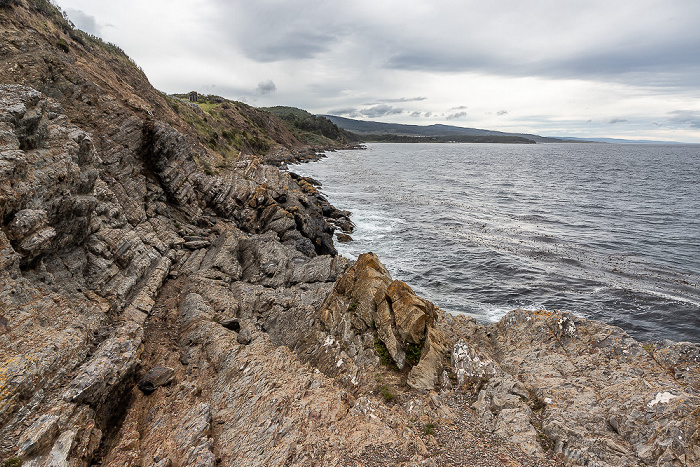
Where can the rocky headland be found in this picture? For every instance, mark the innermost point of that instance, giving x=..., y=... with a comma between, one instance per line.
x=170, y=297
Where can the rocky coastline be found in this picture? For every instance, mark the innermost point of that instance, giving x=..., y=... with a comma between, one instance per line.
x=163, y=304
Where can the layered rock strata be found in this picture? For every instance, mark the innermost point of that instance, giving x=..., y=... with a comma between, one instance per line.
x=154, y=312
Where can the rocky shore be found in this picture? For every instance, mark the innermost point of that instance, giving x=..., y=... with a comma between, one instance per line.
x=164, y=305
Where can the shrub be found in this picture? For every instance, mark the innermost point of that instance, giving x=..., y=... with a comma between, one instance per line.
x=413, y=352
x=387, y=393
x=63, y=45
x=13, y=462
x=383, y=352
x=429, y=429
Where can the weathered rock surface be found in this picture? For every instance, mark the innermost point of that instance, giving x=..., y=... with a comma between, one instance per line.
x=126, y=267
x=591, y=392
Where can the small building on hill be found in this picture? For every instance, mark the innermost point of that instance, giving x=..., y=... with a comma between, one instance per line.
x=193, y=96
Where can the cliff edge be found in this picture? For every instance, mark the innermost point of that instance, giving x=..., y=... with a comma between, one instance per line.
x=169, y=300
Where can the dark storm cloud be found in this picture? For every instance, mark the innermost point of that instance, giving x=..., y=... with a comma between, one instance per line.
x=84, y=21
x=266, y=87
x=689, y=118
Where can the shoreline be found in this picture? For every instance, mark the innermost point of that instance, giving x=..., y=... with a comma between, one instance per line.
x=167, y=298
x=651, y=293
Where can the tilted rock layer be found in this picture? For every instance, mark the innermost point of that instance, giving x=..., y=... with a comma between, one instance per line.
x=155, y=312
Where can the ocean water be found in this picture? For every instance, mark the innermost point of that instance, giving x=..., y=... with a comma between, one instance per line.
x=606, y=231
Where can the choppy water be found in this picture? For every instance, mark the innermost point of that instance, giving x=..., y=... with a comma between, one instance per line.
x=609, y=232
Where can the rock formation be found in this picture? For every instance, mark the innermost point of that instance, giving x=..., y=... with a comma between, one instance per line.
x=155, y=311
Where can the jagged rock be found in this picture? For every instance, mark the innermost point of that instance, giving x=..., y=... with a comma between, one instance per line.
x=601, y=398
x=412, y=314
x=469, y=363
x=156, y=377
x=244, y=337
x=112, y=364
x=365, y=298
x=102, y=200
x=39, y=435
x=343, y=238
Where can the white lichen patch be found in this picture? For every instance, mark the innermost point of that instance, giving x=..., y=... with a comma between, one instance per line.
x=566, y=326
x=329, y=341
x=661, y=398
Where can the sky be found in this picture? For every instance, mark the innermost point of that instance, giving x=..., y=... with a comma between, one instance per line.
x=585, y=68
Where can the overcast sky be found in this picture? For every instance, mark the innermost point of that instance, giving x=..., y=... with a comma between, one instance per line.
x=586, y=68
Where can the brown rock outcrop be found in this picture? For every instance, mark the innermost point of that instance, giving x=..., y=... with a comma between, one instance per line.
x=124, y=257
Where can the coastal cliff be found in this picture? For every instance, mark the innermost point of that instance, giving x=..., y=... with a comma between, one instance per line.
x=168, y=297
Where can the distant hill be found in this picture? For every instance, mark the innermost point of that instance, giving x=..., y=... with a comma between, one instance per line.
x=312, y=129
x=378, y=131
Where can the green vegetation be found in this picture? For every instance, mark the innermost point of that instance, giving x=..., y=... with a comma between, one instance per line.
x=413, y=352
x=312, y=129
x=227, y=127
x=383, y=352
x=353, y=306
x=429, y=429
x=63, y=45
x=387, y=393
x=387, y=138
x=13, y=462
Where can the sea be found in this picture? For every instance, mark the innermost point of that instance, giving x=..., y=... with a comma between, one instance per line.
x=605, y=231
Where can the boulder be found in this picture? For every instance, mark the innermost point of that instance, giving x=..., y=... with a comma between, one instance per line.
x=156, y=377
x=244, y=337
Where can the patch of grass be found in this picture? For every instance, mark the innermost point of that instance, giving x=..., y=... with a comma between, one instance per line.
x=429, y=429
x=649, y=347
x=353, y=306
x=387, y=393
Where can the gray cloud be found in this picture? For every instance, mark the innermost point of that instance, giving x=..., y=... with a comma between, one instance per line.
x=456, y=115
x=381, y=110
x=84, y=21
x=613, y=121
x=502, y=112
x=404, y=99
x=275, y=30
x=266, y=87
x=345, y=112
x=689, y=118
x=376, y=111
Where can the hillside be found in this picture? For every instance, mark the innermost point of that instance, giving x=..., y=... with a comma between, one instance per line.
x=168, y=298
x=378, y=131
x=312, y=129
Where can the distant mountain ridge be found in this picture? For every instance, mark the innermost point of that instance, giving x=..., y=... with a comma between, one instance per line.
x=364, y=128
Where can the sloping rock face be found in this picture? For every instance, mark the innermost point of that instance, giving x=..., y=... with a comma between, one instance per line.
x=155, y=314
x=592, y=393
